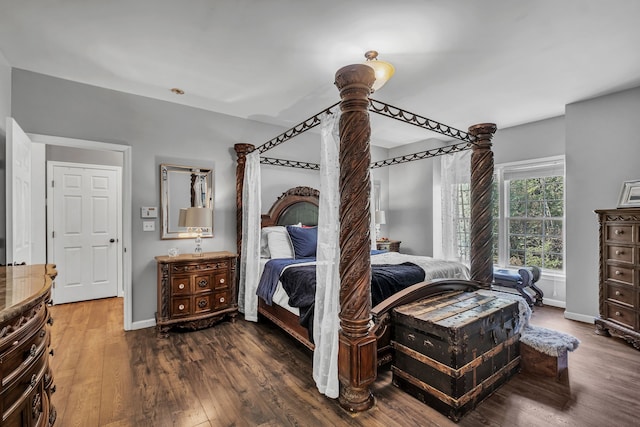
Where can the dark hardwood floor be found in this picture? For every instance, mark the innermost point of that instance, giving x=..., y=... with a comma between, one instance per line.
x=252, y=374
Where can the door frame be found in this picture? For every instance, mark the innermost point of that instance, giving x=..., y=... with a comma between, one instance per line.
x=51, y=164
x=126, y=195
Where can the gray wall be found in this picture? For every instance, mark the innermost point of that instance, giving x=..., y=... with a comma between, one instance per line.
x=5, y=111
x=157, y=131
x=602, y=151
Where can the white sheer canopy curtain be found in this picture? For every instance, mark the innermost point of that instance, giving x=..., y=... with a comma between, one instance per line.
x=250, y=249
x=326, y=322
x=454, y=174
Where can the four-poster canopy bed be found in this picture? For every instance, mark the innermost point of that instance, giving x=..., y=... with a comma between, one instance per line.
x=363, y=328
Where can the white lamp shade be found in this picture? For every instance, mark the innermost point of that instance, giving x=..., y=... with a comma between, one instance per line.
x=182, y=219
x=198, y=218
x=380, y=217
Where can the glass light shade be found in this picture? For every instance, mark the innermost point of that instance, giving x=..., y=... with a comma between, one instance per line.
x=380, y=217
x=382, y=69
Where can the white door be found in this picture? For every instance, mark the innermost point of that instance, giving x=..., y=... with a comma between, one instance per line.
x=18, y=189
x=84, y=218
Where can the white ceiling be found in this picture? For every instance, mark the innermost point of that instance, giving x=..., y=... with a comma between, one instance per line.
x=459, y=62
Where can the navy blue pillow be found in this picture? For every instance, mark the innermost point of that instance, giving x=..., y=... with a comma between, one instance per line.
x=304, y=240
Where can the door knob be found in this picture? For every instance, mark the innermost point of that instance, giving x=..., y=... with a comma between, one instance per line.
x=112, y=240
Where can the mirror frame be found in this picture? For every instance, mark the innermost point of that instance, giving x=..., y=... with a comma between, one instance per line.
x=169, y=214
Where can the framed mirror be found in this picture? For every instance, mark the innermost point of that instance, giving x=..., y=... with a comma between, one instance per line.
x=183, y=187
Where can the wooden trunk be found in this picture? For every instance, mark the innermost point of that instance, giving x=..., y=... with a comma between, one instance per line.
x=454, y=350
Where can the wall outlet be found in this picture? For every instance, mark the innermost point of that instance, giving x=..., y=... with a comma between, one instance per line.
x=148, y=226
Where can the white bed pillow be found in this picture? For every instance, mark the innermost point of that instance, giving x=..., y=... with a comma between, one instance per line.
x=278, y=242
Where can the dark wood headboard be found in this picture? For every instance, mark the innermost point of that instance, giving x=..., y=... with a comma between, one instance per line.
x=298, y=204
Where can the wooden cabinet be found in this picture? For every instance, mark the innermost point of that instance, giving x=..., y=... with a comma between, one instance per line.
x=195, y=292
x=619, y=300
x=26, y=381
x=388, y=245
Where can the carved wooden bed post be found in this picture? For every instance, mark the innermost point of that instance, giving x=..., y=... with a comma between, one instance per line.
x=481, y=204
x=241, y=150
x=357, y=346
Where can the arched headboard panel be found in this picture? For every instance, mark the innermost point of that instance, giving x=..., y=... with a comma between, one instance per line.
x=296, y=205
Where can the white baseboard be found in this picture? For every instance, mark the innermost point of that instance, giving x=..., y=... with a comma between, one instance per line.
x=150, y=323
x=579, y=317
x=554, y=302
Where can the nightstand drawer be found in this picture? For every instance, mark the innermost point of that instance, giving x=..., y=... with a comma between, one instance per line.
x=202, y=304
x=202, y=283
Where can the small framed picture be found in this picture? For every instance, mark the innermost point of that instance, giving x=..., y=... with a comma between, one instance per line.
x=630, y=194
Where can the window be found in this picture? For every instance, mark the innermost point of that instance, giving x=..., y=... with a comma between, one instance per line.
x=528, y=215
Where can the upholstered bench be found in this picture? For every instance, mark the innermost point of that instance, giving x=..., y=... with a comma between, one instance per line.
x=544, y=351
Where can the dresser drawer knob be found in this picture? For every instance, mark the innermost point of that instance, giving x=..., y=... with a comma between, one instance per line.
x=619, y=252
x=221, y=281
x=221, y=299
x=203, y=283
x=618, y=273
x=181, y=286
x=42, y=333
x=202, y=303
x=33, y=350
x=619, y=231
x=50, y=321
x=618, y=313
x=181, y=307
x=618, y=293
x=34, y=380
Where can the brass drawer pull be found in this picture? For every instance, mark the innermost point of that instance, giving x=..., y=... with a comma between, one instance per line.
x=33, y=350
x=203, y=283
x=202, y=303
x=34, y=380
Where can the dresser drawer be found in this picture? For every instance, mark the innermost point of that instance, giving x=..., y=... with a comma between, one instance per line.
x=180, y=307
x=202, y=283
x=181, y=285
x=624, y=316
x=621, y=253
x=621, y=233
x=202, y=304
x=620, y=274
x=30, y=380
x=22, y=355
x=221, y=280
x=621, y=294
x=221, y=299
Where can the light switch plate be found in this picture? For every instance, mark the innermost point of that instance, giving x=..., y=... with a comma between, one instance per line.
x=148, y=226
x=149, y=212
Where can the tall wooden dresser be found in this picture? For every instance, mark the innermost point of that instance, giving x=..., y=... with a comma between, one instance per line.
x=26, y=382
x=619, y=270
x=195, y=292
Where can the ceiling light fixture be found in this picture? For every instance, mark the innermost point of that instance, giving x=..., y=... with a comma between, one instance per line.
x=383, y=69
x=177, y=91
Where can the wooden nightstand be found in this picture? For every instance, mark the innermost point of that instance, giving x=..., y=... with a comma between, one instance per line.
x=195, y=292
x=388, y=245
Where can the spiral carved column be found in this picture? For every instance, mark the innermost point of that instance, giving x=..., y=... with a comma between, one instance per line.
x=357, y=346
x=241, y=150
x=481, y=204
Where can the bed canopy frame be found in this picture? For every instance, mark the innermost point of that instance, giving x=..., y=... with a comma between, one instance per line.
x=357, y=344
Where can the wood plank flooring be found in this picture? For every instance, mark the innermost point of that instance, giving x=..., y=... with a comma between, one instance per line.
x=252, y=374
